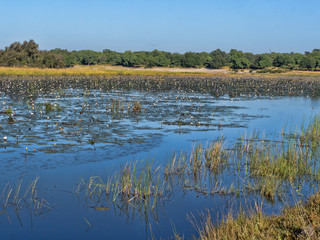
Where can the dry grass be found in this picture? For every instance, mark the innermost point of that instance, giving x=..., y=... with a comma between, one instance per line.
x=299, y=222
x=89, y=71
x=104, y=70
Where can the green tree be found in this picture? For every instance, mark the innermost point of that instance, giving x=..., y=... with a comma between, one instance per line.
x=308, y=62
x=88, y=57
x=128, y=59
x=176, y=60
x=191, y=59
x=283, y=60
x=263, y=61
x=238, y=60
x=69, y=58
x=51, y=60
x=218, y=59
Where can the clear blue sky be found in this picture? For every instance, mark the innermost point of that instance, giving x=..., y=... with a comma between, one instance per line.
x=170, y=25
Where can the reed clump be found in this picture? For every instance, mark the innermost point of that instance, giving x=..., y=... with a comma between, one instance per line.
x=310, y=136
x=132, y=185
x=287, y=162
x=117, y=106
x=195, y=170
x=268, y=187
x=210, y=158
x=136, y=108
x=19, y=196
x=52, y=107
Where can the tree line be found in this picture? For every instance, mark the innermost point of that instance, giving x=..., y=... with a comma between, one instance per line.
x=29, y=54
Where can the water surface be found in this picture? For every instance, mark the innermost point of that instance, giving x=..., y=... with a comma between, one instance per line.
x=93, y=131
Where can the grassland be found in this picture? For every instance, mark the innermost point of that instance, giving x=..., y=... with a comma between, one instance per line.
x=105, y=70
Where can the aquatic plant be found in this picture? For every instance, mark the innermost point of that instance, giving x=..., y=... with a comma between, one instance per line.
x=49, y=107
x=8, y=111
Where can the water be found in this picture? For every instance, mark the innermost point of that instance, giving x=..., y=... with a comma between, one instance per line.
x=83, y=135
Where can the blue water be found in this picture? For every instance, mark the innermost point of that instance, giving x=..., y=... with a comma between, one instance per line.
x=62, y=162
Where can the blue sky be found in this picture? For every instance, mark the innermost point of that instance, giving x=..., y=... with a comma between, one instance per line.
x=170, y=25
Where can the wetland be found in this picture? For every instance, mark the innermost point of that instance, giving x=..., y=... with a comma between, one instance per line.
x=118, y=157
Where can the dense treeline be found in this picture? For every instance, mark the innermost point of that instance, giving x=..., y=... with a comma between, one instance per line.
x=28, y=54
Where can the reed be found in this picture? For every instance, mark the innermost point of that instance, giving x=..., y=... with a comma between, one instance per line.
x=177, y=166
